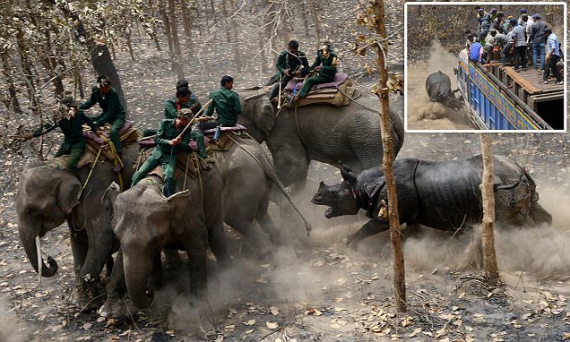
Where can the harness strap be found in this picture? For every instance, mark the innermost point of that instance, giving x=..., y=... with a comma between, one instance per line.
x=92, y=168
x=117, y=159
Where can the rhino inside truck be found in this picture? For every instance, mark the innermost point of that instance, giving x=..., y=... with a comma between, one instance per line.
x=499, y=98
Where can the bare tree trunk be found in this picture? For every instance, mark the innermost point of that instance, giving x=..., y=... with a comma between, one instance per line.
x=388, y=162
x=177, y=53
x=304, y=18
x=488, y=195
x=315, y=15
x=12, y=99
x=235, y=39
x=167, y=26
x=186, y=24
x=103, y=65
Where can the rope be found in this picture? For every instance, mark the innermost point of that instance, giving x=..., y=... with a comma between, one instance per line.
x=92, y=168
x=186, y=171
x=117, y=159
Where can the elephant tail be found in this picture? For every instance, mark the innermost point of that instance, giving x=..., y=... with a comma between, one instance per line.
x=265, y=165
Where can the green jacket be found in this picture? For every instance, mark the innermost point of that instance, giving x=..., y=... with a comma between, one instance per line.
x=72, y=128
x=171, y=108
x=327, y=69
x=287, y=60
x=167, y=132
x=227, y=105
x=110, y=103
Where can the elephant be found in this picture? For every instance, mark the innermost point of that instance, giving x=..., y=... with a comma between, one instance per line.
x=441, y=195
x=48, y=196
x=349, y=134
x=146, y=222
x=438, y=87
x=248, y=178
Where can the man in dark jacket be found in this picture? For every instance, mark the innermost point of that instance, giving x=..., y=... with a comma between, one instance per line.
x=169, y=142
x=290, y=63
x=70, y=122
x=113, y=112
x=226, y=103
x=324, y=67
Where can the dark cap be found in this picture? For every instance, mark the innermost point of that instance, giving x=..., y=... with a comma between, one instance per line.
x=523, y=10
x=69, y=101
x=536, y=16
x=182, y=84
x=513, y=21
x=493, y=10
x=103, y=81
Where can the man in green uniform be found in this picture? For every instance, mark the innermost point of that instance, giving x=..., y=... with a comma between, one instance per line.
x=184, y=99
x=325, y=68
x=168, y=143
x=113, y=112
x=226, y=102
x=290, y=63
x=70, y=124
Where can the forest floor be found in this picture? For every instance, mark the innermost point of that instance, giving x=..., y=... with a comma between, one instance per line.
x=323, y=291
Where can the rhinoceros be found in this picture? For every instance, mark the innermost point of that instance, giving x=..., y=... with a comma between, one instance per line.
x=438, y=87
x=441, y=195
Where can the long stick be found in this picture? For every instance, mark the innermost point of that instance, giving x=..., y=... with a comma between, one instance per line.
x=195, y=116
x=279, y=94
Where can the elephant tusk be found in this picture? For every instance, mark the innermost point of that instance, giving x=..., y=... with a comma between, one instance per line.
x=40, y=262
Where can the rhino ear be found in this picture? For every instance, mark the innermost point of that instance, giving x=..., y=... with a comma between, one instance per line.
x=348, y=176
x=178, y=206
x=68, y=192
x=322, y=185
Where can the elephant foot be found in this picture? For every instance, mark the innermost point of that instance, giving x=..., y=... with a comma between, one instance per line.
x=172, y=259
x=113, y=308
x=87, y=298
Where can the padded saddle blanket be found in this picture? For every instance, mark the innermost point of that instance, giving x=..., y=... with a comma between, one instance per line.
x=187, y=162
x=224, y=142
x=128, y=135
x=337, y=93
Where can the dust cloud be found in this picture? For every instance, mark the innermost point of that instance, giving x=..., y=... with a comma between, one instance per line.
x=420, y=109
x=11, y=328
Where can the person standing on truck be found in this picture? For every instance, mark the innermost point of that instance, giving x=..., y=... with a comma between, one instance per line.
x=476, y=51
x=552, y=57
x=501, y=42
x=519, y=42
x=537, y=39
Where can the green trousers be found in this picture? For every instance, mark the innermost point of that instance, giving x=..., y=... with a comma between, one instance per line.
x=168, y=164
x=311, y=81
x=114, y=134
x=75, y=151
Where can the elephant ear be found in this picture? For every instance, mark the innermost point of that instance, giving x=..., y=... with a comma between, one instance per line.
x=68, y=192
x=264, y=118
x=179, y=210
x=108, y=199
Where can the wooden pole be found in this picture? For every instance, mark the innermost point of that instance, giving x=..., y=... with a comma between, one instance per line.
x=387, y=162
x=488, y=195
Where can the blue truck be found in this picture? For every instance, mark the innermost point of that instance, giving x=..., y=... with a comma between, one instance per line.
x=499, y=98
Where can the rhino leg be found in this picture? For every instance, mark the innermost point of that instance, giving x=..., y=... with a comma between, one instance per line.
x=371, y=227
x=539, y=215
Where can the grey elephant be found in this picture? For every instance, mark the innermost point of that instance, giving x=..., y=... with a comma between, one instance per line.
x=248, y=178
x=49, y=196
x=295, y=136
x=146, y=222
x=440, y=195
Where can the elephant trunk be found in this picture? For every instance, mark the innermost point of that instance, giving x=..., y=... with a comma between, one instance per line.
x=137, y=274
x=30, y=241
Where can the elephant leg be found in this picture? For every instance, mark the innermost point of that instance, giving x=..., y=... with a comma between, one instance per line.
x=255, y=236
x=267, y=224
x=217, y=243
x=371, y=227
x=79, y=247
x=172, y=258
x=116, y=288
x=196, y=244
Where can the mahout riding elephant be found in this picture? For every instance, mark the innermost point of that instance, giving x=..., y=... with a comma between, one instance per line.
x=295, y=136
x=441, y=195
x=248, y=178
x=49, y=196
x=438, y=88
x=146, y=222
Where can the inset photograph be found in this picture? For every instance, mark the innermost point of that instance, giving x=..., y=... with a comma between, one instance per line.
x=495, y=67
